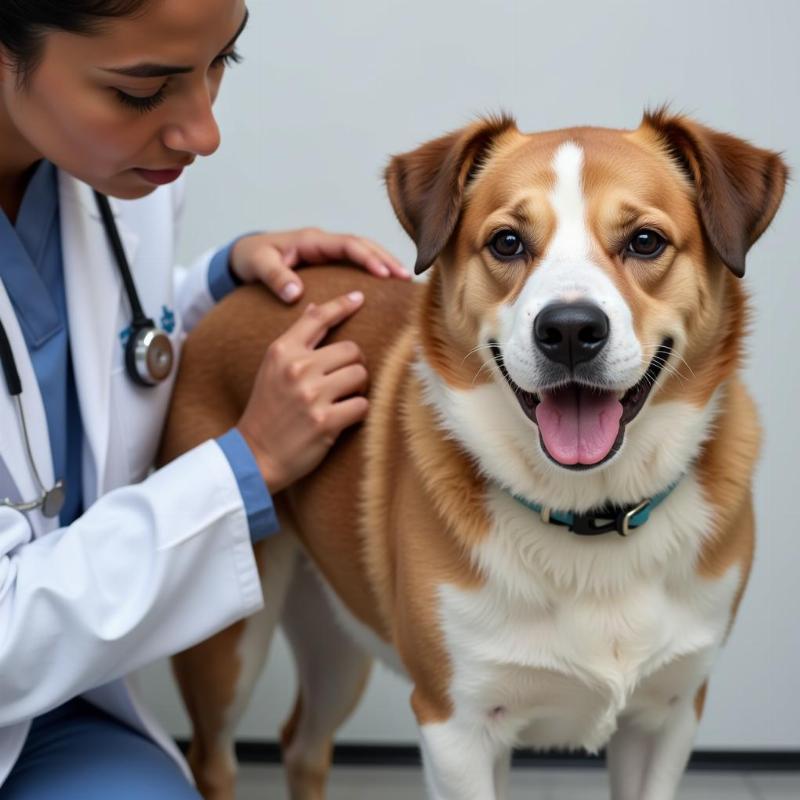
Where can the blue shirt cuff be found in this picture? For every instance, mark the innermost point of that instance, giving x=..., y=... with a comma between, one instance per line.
x=221, y=280
x=256, y=497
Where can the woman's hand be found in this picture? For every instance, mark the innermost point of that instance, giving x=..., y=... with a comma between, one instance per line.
x=272, y=257
x=297, y=407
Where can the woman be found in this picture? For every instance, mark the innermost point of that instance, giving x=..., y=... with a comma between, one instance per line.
x=100, y=574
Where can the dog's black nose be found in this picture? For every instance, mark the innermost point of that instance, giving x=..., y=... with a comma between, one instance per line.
x=570, y=333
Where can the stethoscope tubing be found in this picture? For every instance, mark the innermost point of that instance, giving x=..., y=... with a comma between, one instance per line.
x=139, y=317
x=143, y=330
x=13, y=382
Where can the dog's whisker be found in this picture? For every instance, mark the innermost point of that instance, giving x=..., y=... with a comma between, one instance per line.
x=475, y=350
x=652, y=348
x=480, y=369
x=669, y=369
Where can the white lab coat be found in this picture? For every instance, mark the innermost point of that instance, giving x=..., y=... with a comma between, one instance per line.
x=151, y=567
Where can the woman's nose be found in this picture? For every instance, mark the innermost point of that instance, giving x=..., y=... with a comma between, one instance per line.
x=196, y=131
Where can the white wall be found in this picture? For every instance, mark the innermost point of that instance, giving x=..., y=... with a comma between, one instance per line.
x=329, y=89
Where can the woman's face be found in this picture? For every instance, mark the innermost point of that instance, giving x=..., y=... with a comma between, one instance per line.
x=125, y=109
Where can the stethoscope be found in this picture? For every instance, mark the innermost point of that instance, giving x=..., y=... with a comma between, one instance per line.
x=149, y=359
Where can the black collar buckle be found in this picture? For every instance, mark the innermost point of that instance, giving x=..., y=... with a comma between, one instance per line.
x=594, y=523
x=605, y=520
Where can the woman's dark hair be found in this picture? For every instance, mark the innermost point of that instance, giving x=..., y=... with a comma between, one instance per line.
x=24, y=24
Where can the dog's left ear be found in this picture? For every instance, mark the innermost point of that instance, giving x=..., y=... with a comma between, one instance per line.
x=426, y=186
x=739, y=186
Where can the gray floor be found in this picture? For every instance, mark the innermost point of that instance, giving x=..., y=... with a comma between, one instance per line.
x=360, y=783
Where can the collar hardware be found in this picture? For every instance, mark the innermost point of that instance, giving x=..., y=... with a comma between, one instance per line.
x=624, y=519
x=610, y=518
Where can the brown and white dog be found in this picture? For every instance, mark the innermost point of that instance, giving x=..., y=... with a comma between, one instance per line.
x=576, y=348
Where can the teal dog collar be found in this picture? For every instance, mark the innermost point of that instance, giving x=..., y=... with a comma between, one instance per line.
x=622, y=519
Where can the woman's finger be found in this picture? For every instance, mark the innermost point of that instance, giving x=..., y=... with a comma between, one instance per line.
x=346, y=413
x=335, y=356
x=315, y=322
x=357, y=251
x=395, y=267
x=274, y=270
x=320, y=247
x=344, y=382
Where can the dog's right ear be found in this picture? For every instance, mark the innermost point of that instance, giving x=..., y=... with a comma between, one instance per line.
x=426, y=186
x=739, y=187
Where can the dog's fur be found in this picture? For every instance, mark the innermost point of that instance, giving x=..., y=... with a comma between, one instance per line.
x=407, y=543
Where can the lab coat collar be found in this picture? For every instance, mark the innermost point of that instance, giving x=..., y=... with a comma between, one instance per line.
x=12, y=447
x=97, y=314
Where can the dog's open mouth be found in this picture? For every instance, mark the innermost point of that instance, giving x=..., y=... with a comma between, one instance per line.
x=581, y=426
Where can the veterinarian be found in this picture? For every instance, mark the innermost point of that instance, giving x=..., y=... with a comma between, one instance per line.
x=101, y=573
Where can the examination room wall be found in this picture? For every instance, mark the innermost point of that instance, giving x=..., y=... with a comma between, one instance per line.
x=328, y=89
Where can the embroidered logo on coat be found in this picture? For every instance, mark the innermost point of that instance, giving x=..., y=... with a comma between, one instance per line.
x=167, y=319
x=167, y=325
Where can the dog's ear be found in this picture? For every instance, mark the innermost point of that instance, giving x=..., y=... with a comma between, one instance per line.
x=426, y=186
x=739, y=186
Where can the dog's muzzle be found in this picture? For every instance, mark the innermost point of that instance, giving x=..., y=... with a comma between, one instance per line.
x=583, y=425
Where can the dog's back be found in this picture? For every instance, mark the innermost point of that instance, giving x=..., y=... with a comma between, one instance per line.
x=218, y=367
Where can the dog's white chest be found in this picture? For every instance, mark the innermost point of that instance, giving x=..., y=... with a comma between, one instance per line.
x=552, y=656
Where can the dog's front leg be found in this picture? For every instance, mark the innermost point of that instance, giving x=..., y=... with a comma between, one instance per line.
x=649, y=765
x=461, y=759
x=670, y=750
x=502, y=772
x=627, y=756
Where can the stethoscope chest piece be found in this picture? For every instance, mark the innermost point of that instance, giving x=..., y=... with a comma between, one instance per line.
x=53, y=500
x=149, y=356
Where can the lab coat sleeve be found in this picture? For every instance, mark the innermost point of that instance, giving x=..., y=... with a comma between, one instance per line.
x=192, y=292
x=261, y=517
x=198, y=287
x=206, y=283
x=147, y=571
x=193, y=295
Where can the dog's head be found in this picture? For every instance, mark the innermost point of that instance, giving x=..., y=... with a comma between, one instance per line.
x=597, y=269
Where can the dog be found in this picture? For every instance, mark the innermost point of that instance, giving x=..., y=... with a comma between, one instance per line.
x=546, y=521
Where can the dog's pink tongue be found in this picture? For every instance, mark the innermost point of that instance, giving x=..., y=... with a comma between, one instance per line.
x=578, y=425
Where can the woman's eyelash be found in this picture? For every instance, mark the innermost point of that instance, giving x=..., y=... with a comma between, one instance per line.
x=228, y=59
x=145, y=104
x=142, y=104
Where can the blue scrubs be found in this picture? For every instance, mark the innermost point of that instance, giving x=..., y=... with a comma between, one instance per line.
x=78, y=751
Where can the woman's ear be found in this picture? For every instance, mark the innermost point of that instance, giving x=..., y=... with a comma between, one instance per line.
x=739, y=186
x=426, y=186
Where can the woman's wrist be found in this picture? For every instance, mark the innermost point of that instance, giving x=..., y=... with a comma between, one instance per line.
x=238, y=261
x=274, y=476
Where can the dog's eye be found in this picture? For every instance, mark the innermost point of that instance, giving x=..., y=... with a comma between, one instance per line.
x=646, y=243
x=506, y=244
